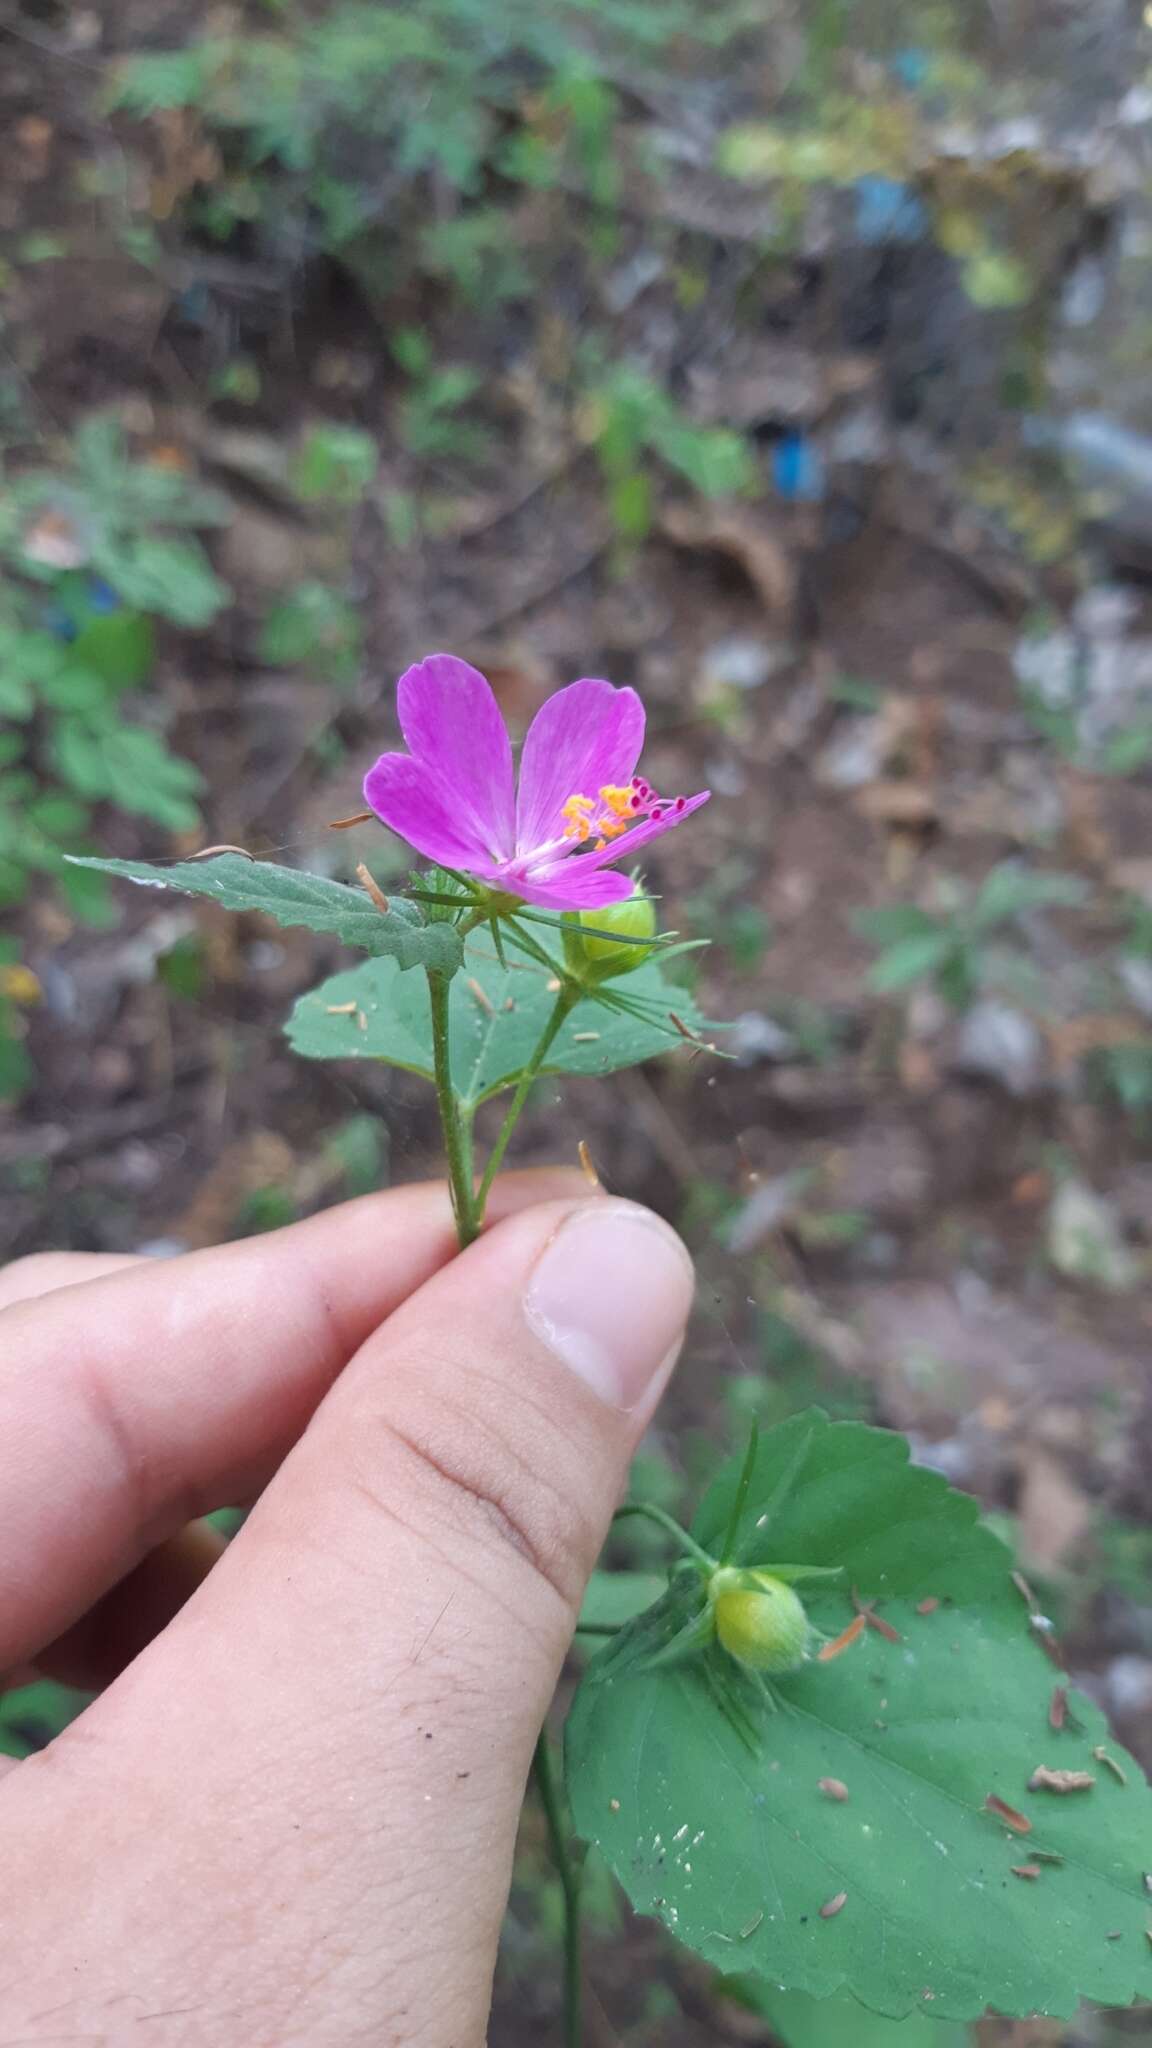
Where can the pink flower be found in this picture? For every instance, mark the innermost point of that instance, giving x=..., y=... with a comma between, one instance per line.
x=580, y=803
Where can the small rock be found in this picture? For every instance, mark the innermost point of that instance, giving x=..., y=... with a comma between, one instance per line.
x=1085, y=1240
x=1130, y=1685
x=1001, y=1044
x=755, y=1037
x=855, y=755
x=743, y=662
x=1136, y=975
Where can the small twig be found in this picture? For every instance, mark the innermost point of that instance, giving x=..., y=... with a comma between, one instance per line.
x=373, y=888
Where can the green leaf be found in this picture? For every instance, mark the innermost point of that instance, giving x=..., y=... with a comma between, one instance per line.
x=76, y=754
x=33, y=1715
x=1011, y=889
x=75, y=689
x=893, y=922
x=88, y=897
x=15, y=1065
x=497, y=1016
x=911, y=959
x=725, y=1834
x=119, y=646
x=313, y=624
x=56, y=815
x=335, y=463
x=147, y=83
x=169, y=577
x=148, y=780
x=612, y=1598
x=803, y=2022
x=293, y=898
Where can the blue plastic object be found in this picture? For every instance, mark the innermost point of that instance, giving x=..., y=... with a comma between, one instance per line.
x=888, y=210
x=798, y=467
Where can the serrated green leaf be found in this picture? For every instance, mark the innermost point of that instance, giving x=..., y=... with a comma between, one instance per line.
x=497, y=1016
x=294, y=898
x=734, y=1845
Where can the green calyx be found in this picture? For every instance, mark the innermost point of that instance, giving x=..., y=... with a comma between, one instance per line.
x=601, y=944
x=760, y=1620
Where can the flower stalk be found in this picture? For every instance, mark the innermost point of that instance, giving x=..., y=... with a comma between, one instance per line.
x=457, y=1138
x=569, y=996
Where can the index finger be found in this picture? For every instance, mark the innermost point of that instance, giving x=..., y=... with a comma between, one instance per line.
x=133, y=1403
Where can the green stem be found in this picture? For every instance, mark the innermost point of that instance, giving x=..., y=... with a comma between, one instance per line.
x=567, y=999
x=544, y=1773
x=457, y=1138
x=672, y=1528
x=469, y=1212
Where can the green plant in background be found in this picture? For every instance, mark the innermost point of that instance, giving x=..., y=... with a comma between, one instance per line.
x=91, y=554
x=334, y=464
x=1123, y=1074
x=313, y=626
x=431, y=421
x=18, y=989
x=329, y=126
x=961, y=950
x=631, y=421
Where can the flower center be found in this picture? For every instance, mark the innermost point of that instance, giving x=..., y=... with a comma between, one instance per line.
x=618, y=806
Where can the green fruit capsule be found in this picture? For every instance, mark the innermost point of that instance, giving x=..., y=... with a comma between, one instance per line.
x=760, y=1621
x=592, y=957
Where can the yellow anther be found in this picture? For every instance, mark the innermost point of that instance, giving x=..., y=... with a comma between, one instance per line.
x=618, y=799
x=575, y=815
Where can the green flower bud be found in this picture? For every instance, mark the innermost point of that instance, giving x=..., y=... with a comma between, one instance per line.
x=591, y=957
x=760, y=1620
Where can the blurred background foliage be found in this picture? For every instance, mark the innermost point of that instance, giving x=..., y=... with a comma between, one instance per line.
x=793, y=363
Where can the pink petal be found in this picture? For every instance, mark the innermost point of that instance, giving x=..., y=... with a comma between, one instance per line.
x=453, y=726
x=410, y=798
x=577, y=886
x=649, y=828
x=581, y=738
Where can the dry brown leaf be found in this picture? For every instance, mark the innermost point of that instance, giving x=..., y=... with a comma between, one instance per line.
x=742, y=534
x=909, y=805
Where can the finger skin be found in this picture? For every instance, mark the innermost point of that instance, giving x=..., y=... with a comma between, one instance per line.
x=141, y=1399
x=44, y=1272
x=296, y=1812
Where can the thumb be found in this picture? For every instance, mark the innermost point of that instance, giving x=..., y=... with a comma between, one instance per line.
x=335, y=1733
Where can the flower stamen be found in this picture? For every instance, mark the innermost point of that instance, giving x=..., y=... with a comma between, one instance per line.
x=619, y=806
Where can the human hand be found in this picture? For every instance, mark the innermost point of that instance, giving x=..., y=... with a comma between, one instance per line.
x=291, y=1815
